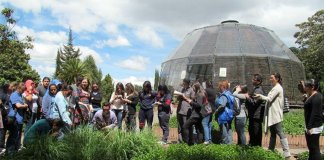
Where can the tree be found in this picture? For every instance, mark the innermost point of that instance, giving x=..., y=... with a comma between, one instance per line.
x=107, y=87
x=311, y=41
x=14, y=61
x=156, y=79
x=71, y=69
x=95, y=74
x=68, y=52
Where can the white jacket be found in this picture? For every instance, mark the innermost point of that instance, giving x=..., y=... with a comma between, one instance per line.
x=274, y=106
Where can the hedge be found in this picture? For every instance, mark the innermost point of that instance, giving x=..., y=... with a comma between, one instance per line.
x=210, y=152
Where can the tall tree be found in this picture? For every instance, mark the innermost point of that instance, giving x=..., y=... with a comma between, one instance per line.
x=71, y=69
x=94, y=73
x=68, y=52
x=107, y=87
x=156, y=79
x=14, y=61
x=311, y=43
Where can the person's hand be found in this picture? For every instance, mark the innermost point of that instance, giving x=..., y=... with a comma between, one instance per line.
x=247, y=96
x=310, y=131
x=238, y=88
x=158, y=103
x=257, y=96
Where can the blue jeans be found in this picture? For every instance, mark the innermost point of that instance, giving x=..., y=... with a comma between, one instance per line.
x=119, y=115
x=207, y=125
x=226, y=131
x=239, y=127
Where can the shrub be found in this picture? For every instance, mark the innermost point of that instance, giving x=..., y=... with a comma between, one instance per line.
x=304, y=156
x=210, y=152
x=86, y=144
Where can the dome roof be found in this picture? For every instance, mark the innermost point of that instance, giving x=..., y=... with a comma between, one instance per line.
x=231, y=38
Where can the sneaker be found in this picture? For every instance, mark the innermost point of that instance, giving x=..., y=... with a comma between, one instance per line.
x=162, y=142
x=206, y=142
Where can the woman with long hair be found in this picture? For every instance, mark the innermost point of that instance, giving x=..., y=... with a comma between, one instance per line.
x=131, y=100
x=163, y=100
x=274, y=113
x=82, y=113
x=117, y=103
x=146, y=101
x=313, y=118
x=199, y=110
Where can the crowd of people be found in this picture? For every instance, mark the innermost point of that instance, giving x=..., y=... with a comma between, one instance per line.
x=53, y=108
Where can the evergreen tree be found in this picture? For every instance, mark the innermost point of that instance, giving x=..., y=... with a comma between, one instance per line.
x=156, y=79
x=14, y=61
x=94, y=73
x=107, y=87
x=68, y=52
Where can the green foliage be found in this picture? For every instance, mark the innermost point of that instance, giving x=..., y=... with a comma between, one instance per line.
x=210, y=152
x=92, y=70
x=304, y=156
x=107, y=87
x=156, y=79
x=294, y=122
x=87, y=144
x=311, y=41
x=71, y=69
x=65, y=56
x=14, y=61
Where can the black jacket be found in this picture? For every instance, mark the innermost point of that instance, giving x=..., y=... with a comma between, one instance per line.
x=313, y=111
x=255, y=107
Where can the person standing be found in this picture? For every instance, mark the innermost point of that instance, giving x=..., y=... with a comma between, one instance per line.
x=82, y=113
x=17, y=109
x=313, y=118
x=131, y=101
x=4, y=107
x=184, y=108
x=199, y=111
x=146, y=101
x=41, y=90
x=96, y=98
x=274, y=114
x=255, y=109
x=163, y=100
x=207, y=120
x=117, y=103
x=224, y=112
x=30, y=96
x=241, y=95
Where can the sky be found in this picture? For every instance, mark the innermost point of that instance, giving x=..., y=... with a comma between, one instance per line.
x=129, y=39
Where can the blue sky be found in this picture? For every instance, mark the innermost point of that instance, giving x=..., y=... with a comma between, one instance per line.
x=129, y=39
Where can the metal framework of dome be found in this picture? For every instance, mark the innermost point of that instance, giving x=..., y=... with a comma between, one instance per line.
x=235, y=52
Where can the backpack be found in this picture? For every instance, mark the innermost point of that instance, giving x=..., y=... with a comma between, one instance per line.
x=232, y=108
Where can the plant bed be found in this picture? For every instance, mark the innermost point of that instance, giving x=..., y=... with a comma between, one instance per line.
x=210, y=152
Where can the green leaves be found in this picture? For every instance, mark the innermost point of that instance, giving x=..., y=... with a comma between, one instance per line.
x=13, y=58
x=311, y=41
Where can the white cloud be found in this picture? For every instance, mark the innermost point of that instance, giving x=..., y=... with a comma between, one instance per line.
x=149, y=36
x=134, y=80
x=86, y=51
x=137, y=63
x=119, y=41
x=44, y=70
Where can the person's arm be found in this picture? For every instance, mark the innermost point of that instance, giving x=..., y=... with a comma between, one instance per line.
x=112, y=97
x=239, y=95
x=113, y=119
x=221, y=106
x=271, y=96
x=316, y=109
x=62, y=106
